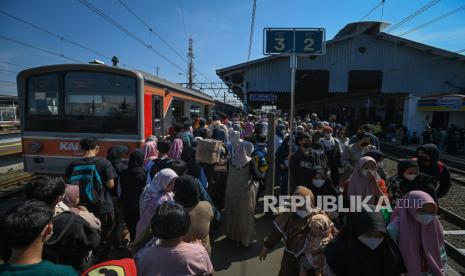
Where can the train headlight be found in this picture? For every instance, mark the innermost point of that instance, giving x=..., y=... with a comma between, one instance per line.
x=35, y=147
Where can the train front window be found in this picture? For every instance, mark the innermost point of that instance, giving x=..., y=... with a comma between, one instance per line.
x=90, y=94
x=42, y=96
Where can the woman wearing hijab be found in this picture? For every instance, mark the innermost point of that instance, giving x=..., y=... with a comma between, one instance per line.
x=429, y=164
x=365, y=181
x=175, y=149
x=409, y=179
x=234, y=141
x=379, y=158
x=363, y=248
x=248, y=127
x=419, y=234
x=321, y=185
x=115, y=155
x=241, y=190
x=333, y=152
x=293, y=228
x=186, y=193
x=159, y=191
x=71, y=199
x=133, y=181
x=150, y=154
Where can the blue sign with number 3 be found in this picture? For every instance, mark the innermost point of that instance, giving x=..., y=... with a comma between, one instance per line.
x=294, y=41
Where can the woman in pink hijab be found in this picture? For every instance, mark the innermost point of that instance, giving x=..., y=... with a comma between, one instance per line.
x=175, y=149
x=419, y=234
x=365, y=181
x=150, y=153
x=71, y=199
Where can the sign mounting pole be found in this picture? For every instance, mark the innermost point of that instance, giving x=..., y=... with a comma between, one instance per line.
x=293, y=64
x=293, y=42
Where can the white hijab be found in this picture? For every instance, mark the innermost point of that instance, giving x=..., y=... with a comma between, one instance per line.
x=242, y=154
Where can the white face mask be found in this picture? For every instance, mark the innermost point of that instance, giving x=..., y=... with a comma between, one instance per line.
x=318, y=182
x=302, y=213
x=410, y=177
x=424, y=219
x=366, y=172
x=380, y=164
x=370, y=242
x=319, y=152
x=328, y=135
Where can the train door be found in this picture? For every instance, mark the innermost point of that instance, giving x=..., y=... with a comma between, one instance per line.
x=157, y=115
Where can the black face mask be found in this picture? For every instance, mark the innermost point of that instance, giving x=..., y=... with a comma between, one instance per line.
x=306, y=145
x=364, y=144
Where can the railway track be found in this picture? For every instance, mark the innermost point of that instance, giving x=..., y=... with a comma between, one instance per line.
x=457, y=177
x=13, y=183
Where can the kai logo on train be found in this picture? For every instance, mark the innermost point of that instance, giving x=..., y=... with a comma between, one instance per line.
x=69, y=146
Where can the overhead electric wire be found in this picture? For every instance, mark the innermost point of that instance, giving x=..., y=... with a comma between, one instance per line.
x=400, y=23
x=183, y=21
x=433, y=20
x=129, y=33
x=14, y=64
x=151, y=30
x=40, y=49
x=60, y=37
x=372, y=10
x=413, y=15
x=8, y=71
x=252, y=24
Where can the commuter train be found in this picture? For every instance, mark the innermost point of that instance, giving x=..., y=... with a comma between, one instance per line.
x=60, y=104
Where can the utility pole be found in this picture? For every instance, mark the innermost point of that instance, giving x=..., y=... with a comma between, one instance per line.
x=190, y=68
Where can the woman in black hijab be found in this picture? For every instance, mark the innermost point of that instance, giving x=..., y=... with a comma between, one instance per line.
x=363, y=248
x=132, y=184
x=321, y=185
x=409, y=179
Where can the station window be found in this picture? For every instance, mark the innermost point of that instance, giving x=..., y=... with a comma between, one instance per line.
x=43, y=96
x=365, y=81
x=90, y=94
x=311, y=85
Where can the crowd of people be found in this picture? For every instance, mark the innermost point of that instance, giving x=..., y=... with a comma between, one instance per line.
x=151, y=211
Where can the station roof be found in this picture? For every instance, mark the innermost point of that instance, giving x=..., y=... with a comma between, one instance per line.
x=373, y=28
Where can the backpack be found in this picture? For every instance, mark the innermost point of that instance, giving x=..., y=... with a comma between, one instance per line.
x=259, y=156
x=87, y=177
x=208, y=151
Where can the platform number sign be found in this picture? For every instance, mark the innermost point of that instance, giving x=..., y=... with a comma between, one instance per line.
x=280, y=41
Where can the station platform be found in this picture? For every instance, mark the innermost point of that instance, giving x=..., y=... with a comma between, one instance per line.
x=456, y=161
x=10, y=146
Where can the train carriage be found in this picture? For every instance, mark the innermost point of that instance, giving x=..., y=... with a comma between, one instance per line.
x=60, y=104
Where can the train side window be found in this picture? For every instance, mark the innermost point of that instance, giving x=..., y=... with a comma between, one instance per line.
x=195, y=111
x=43, y=95
x=206, y=112
x=177, y=109
x=157, y=111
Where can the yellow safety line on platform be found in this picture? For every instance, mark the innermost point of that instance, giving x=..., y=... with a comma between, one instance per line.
x=9, y=152
x=10, y=145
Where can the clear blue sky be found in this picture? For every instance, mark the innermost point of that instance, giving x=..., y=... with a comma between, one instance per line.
x=220, y=29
